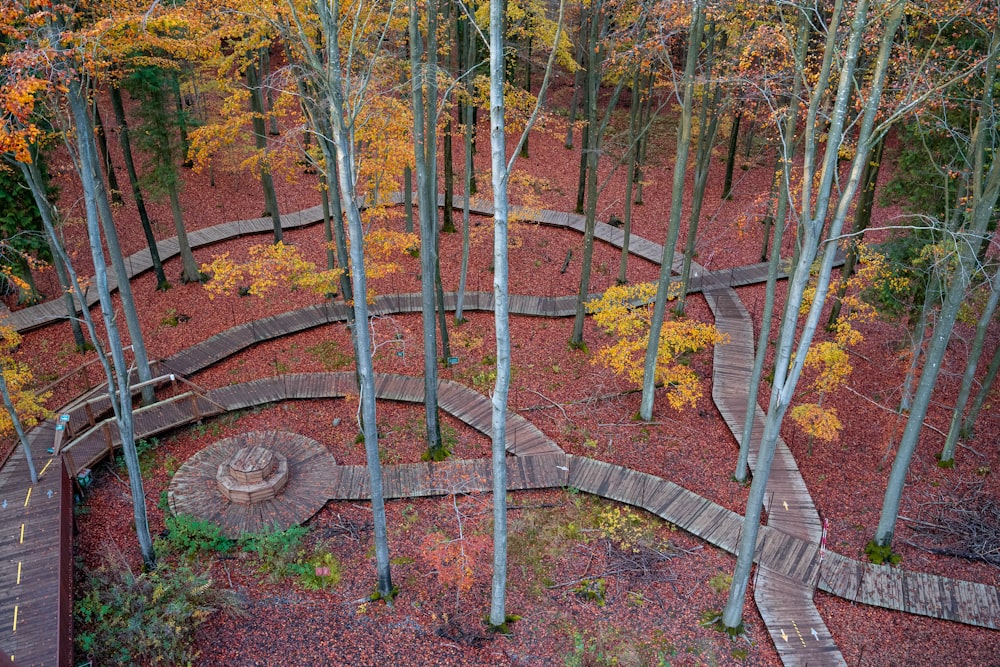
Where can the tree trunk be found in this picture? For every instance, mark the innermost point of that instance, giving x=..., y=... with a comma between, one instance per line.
x=593, y=135
x=702, y=161
x=74, y=322
x=90, y=168
x=633, y=140
x=122, y=402
x=680, y=171
x=424, y=105
x=102, y=144
x=408, y=197
x=189, y=272
x=331, y=257
x=448, y=224
x=578, y=76
x=340, y=138
x=734, y=135
x=15, y=420
x=862, y=217
x=984, y=390
x=780, y=222
x=646, y=118
x=498, y=616
x=985, y=198
x=175, y=82
x=790, y=357
x=147, y=228
x=260, y=140
x=464, y=271
x=947, y=458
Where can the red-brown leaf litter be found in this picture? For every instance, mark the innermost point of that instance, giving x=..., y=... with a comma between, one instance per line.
x=437, y=619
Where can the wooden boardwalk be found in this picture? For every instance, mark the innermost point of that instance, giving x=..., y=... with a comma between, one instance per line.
x=35, y=570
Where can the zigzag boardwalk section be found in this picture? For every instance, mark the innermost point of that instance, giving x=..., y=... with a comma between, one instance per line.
x=785, y=602
x=39, y=603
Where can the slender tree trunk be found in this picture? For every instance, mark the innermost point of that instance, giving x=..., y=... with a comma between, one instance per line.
x=340, y=139
x=122, y=403
x=464, y=271
x=645, y=119
x=680, y=171
x=633, y=140
x=590, y=156
x=498, y=616
x=581, y=183
x=734, y=135
x=425, y=101
x=147, y=228
x=265, y=71
x=788, y=366
x=408, y=197
x=260, y=140
x=331, y=256
x=984, y=390
x=781, y=220
x=578, y=77
x=947, y=458
x=448, y=224
x=74, y=322
x=175, y=82
x=336, y=212
x=702, y=161
x=90, y=168
x=15, y=420
x=917, y=340
x=102, y=144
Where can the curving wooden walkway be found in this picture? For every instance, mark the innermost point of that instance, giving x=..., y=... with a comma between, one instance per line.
x=786, y=549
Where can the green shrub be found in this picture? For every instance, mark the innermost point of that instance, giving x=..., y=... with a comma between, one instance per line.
x=276, y=550
x=882, y=555
x=190, y=536
x=150, y=618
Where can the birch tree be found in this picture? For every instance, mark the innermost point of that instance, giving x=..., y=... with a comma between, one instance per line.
x=790, y=355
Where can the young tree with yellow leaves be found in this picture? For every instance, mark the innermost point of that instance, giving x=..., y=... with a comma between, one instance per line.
x=24, y=408
x=625, y=312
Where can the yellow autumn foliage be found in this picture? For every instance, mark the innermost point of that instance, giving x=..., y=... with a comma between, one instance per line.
x=29, y=405
x=270, y=266
x=818, y=421
x=625, y=311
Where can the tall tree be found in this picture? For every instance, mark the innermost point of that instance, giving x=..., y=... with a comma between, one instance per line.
x=424, y=96
x=133, y=178
x=676, y=201
x=501, y=169
x=788, y=365
x=984, y=194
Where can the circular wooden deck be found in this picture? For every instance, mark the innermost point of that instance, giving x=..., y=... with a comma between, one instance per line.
x=312, y=474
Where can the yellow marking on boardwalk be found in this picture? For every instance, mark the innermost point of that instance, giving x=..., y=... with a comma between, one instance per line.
x=47, y=464
x=27, y=498
x=22, y=534
x=19, y=572
x=798, y=632
x=785, y=503
x=15, y=619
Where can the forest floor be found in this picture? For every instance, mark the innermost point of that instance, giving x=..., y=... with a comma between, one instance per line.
x=650, y=611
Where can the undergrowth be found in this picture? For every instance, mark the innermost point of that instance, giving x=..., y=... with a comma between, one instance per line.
x=144, y=618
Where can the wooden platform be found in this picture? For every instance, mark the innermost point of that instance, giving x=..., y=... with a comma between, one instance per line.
x=312, y=476
x=38, y=602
